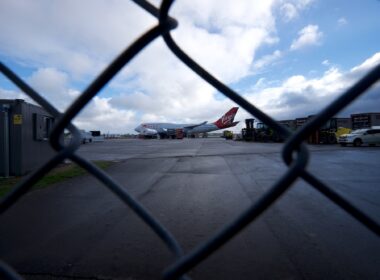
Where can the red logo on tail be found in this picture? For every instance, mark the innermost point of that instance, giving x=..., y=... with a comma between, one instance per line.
x=227, y=118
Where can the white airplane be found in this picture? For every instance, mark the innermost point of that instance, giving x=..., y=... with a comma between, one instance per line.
x=154, y=129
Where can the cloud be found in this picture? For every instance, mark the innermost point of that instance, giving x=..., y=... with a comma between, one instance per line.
x=368, y=64
x=223, y=36
x=59, y=34
x=298, y=96
x=290, y=10
x=342, y=21
x=64, y=49
x=308, y=36
x=99, y=114
x=67, y=48
x=53, y=85
x=326, y=62
x=267, y=60
x=11, y=94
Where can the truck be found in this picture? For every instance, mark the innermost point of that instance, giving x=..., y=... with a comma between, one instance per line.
x=97, y=136
x=330, y=131
x=228, y=135
x=86, y=136
x=248, y=133
x=179, y=133
x=264, y=133
x=174, y=133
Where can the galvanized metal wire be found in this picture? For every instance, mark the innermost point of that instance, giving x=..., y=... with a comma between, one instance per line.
x=295, y=152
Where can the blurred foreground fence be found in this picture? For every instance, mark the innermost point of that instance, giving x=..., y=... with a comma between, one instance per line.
x=295, y=153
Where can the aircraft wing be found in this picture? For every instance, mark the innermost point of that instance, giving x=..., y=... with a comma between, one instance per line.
x=194, y=125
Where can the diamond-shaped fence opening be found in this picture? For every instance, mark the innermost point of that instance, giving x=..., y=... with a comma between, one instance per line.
x=295, y=153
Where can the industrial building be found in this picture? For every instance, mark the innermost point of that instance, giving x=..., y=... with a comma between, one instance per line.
x=365, y=120
x=326, y=134
x=24, y=134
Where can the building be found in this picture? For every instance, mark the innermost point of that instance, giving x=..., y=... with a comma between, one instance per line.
x=291, y=124
x=365, y=120
x=344, y=122
x=24, y=134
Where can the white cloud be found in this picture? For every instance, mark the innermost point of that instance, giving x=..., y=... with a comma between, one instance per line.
x=99, y=114
x=291, y=9
x=367, y=64
x=302, y=4
x=67, y=47
x=342, y=21
x=12, y=94
x=267, y=60
x=308, y=36
x=53, y=85
x=326, y=62
x=224, y=40
x=298, y=96
x=61, y=35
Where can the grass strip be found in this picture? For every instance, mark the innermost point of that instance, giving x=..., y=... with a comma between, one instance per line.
x=60, y=173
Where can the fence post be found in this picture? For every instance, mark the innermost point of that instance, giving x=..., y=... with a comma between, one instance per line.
x=5, y=157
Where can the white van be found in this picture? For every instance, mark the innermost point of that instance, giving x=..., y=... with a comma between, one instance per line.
x=370, y=136
x=86, y=137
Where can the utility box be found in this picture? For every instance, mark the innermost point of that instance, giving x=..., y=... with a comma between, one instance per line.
x=24, y=135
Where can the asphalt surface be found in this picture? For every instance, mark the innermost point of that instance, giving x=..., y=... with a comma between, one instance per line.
x=79, y=230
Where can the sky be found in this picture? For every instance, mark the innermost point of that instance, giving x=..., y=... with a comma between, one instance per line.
x=290, y=58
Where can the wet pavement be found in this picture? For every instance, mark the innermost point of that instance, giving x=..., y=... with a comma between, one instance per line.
x=79, y=229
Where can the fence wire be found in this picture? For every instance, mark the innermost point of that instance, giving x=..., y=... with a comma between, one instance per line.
x=295, y=153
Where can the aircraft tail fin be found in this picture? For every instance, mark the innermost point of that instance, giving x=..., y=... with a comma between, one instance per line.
x=227, y=119
x=231, y=125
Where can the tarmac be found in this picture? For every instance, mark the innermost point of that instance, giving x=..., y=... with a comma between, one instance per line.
x=78, y=229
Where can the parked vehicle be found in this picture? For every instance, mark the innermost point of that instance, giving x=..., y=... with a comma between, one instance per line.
x=370, y=136
x=179, y=133
x=248, y=133
x=97, y=136
x=228, y=134
x=86, y=137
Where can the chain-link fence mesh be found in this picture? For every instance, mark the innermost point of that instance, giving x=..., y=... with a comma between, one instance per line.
x=295, y=153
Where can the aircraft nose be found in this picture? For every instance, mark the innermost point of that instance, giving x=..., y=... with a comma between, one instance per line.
x=138, y=128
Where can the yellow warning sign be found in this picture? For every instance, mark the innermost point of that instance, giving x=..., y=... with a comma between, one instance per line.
x=17, y=119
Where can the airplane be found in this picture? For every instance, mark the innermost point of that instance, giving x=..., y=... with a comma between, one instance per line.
x=155, y=129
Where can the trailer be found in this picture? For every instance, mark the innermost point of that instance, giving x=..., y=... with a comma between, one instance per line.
x=24, y=137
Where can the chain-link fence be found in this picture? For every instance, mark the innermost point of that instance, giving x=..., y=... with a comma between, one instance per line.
x=295, y=153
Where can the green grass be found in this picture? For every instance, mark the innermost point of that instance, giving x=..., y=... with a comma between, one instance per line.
x=61, y=173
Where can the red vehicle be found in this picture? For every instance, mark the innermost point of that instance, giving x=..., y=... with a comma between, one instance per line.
x=179, y=133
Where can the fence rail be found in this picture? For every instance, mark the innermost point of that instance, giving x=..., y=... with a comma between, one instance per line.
x=295, y=153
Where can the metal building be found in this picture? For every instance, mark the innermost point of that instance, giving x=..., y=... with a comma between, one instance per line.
x=24, y=133
x=365, y=120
